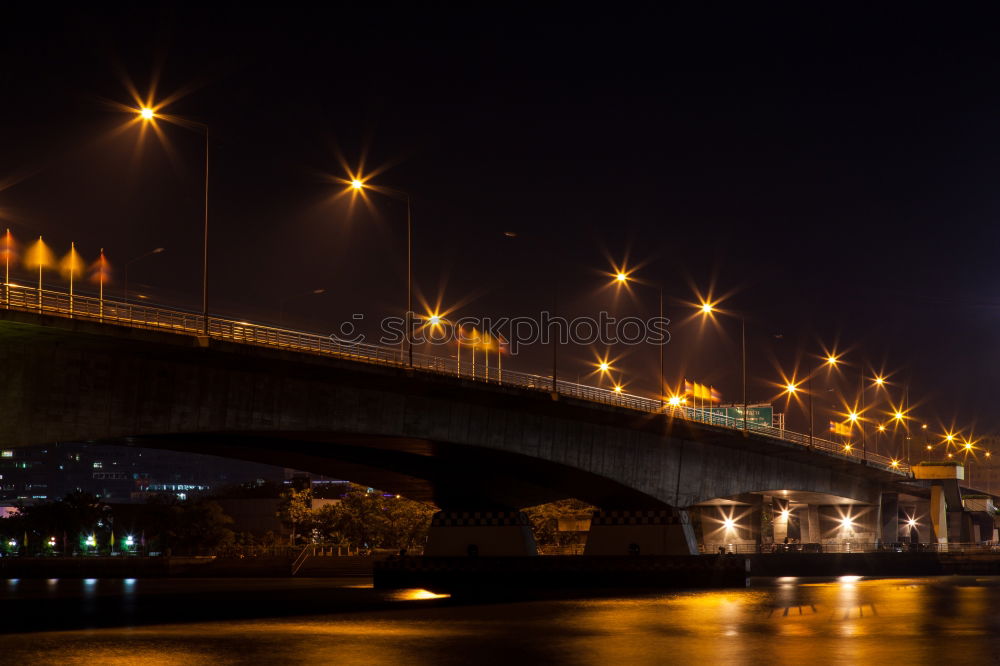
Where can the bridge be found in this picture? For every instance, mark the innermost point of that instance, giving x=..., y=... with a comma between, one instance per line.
x=85, y=369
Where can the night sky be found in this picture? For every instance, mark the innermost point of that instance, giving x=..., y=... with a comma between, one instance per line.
x=834, y=175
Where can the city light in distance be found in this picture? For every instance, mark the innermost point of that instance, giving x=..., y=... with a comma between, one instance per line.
x=621, y=277
x=707, y=308
x=881, y=427
x=852, y=417
x=356, y=184
x=147, y=113
x=618, y=388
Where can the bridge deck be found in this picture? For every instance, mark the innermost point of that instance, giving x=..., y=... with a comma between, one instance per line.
x=152, y=317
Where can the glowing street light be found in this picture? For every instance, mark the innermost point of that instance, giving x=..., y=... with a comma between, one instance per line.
x=148, y=115
x=359, y=186
x=621, y=278
x=708, y=309
x=853, y=417
x=604, y=367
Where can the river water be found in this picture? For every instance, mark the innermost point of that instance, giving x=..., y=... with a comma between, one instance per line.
x=948, y=620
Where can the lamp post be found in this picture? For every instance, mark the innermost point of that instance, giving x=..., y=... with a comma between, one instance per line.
x=709, y=309
x=830, y=361
x=358, y=186
x=8, y=249
x=128, y=263
x=149, y=115
x=622, y=278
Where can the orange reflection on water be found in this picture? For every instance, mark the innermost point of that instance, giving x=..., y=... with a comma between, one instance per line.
x=417, y=594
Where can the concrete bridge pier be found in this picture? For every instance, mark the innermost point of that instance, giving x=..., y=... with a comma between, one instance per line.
x=480, y=533
x=811, y=532
x=641, y=532
x=938, y=514
x=888, y=517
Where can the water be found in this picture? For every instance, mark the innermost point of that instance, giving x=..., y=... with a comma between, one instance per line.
x=906, y=621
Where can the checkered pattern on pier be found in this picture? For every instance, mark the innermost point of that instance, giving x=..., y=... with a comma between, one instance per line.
x=650, y=517
x=479, y=518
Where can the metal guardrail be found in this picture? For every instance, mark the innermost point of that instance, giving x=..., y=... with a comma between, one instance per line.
x=849, y=547
x=139, y=315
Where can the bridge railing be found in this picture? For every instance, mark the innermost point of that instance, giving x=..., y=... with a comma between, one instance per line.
x=148, y=316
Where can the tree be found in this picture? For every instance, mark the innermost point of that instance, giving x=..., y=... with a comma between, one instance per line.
x=296, y=510
x=202, y=527
x=545, y=520
x=372, y=520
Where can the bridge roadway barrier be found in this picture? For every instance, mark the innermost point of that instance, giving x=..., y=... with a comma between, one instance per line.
x=518, y=575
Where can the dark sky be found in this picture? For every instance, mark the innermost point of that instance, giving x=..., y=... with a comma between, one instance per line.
x=834, y=173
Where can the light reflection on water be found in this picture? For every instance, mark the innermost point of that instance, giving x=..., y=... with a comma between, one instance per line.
x=944, y=620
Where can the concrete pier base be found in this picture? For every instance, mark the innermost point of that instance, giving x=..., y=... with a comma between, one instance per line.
x=480, y=533
x=652, y=532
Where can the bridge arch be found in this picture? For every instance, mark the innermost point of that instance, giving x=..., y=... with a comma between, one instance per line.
x=441, y=439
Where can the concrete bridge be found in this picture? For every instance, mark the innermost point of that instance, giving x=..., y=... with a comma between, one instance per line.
x=479, y=451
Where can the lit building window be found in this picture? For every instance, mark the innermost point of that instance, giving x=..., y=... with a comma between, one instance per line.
x=98, y=464
x=7, y=454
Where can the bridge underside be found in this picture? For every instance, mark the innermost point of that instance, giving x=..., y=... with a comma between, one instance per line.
x=449, y=476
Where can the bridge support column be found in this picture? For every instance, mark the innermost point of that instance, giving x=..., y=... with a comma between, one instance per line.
x=782, y=520
x=811, y=532
x=650, y=532
x=480, y=533
x=939, y=515
x=889, y=517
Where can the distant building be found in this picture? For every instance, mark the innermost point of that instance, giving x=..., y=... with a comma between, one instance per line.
x=119, y=473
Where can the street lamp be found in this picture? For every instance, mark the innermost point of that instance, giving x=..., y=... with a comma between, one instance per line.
x=708, y=309
x=149, y=115
x=128, y=263
x=830, y=361
x=622, y=278
x=359, y=186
